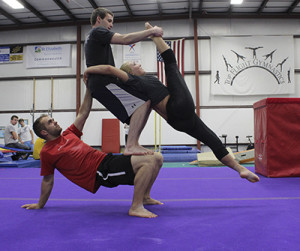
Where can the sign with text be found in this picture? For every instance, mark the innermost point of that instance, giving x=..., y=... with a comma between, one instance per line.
x=254, y=65
x=11, y=54
x=44, y=56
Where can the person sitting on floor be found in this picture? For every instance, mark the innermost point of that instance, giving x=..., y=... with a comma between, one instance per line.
x=11, y=136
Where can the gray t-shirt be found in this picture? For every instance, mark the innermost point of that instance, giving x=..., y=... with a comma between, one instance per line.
x=8, y=138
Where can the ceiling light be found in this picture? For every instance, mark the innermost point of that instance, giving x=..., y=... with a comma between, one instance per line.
x=236, y=1
x=14, y=4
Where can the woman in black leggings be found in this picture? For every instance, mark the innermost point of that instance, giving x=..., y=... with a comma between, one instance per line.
x=175, y=103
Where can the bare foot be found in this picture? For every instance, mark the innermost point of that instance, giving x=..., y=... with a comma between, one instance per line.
x=141, y=212
x=137, y=150
x=148, y=25
x=150, y=201
x=246, y=174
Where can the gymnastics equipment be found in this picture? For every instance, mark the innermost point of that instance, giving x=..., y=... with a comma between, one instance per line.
x=38, y=145
x=50, y=111
x=7, y=162
x=15, y=153
x=245, y=156
x=33, y=102
x=209, y=159
x=250, y=145
x=277, y=137
x=237, y=143
x=110, y=135
x=159, y=132
x=224, y=136
x=179, y=153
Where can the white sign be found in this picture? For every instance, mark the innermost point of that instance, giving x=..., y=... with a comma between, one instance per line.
x=43, y=56
x=254, y=65
x=132, y=53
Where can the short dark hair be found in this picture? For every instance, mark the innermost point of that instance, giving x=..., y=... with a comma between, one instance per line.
x=38, y=126
x=101, y=12
x=14, y=116
x=21, y=120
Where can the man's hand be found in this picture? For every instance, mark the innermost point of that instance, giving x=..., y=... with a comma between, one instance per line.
x=157, y=31
x=85, y=78
x=31, y=206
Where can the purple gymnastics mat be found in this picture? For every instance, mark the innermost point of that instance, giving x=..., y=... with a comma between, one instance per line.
x=205, y=208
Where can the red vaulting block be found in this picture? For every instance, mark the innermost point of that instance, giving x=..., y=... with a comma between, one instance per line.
x=277, y=137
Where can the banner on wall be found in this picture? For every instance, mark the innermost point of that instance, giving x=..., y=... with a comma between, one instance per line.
x=132, y=53
x=254, y=65
x=43, y=56
x=11, y=54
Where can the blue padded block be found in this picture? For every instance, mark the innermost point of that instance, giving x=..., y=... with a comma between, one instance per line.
x=179, y=157
x=193, y=150
x=30, y=162
x=176, y=147
x=15, y=149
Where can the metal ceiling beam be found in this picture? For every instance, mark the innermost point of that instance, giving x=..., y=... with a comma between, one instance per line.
x=159, y=8
x=190, y=8
x=262, y=6
x=127, y=7
x=10, y=17
x=155, y=18
x=229, y=11
x=200, y=7
x=65, y=10
x=94, y=5
x=293, y=6
x=34, y=11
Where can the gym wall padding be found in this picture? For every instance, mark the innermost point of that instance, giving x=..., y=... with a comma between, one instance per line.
x=110, y=135
x=277, y=137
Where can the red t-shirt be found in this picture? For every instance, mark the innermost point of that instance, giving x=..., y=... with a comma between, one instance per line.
x=73, y=158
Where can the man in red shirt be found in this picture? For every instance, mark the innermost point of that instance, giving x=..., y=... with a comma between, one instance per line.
x=90, y=168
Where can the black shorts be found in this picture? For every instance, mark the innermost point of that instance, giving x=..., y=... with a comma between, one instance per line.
x=115, y=170
x=117, y=98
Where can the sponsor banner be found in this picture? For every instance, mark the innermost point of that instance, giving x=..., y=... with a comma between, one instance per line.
x=255, y=65
x=132, y=53
x=11, y=54
x=43, y=56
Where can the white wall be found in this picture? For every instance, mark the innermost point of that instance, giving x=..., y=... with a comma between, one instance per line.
x=17, y=95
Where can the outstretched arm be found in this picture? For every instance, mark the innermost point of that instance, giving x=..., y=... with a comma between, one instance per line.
x=105, y=70
x=84, y=110
x=134, y=37
x=46, y=188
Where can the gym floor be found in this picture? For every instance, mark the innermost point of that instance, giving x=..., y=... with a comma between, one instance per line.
x=205, y=208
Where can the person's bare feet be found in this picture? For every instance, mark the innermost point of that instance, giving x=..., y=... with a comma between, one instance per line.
x=148, y=25
x=150, y=201
x=246, y=174
x=141, y=212
x=137, y=150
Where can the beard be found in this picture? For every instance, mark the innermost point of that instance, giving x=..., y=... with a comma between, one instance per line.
x=56, y=132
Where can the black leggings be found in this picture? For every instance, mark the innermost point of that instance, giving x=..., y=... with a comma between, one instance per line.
x=181, y=108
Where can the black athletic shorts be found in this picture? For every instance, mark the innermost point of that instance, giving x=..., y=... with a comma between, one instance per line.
x=119, y=100
x=115, y=170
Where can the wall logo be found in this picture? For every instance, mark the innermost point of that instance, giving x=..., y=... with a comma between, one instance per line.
x=252, y=65
x=37, y=49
